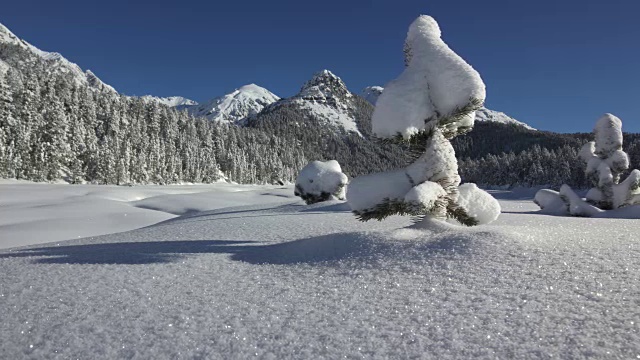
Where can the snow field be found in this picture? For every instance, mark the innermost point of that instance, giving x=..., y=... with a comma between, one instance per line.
x=286, y=280
x=38, y=213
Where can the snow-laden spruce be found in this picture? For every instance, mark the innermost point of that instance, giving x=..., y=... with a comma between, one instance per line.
x=321, y=181
x=606, y=161
x=435, y=84
x=432, y=101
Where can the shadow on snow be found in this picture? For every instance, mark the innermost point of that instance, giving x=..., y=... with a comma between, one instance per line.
x=357, y=246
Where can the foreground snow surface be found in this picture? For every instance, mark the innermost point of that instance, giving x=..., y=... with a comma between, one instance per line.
x=265, y=275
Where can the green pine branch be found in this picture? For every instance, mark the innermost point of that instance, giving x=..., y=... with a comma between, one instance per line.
x=390, y=207
x=459, y=214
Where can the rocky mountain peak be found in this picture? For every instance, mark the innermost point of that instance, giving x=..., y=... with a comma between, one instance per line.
x=322, y=86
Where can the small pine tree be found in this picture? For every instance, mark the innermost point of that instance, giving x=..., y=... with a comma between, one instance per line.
x=430, y=103
x=606, y=162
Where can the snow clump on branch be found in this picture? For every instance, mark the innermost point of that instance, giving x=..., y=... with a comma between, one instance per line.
x=433, y=100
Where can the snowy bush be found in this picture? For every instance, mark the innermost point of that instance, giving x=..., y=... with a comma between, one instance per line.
x=432, y=101
x=605, y=164
x=321, y=181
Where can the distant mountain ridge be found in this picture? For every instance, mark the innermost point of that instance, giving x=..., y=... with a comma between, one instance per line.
x=236, y=106
x=325, y=95
x=57, y=121
x=57, y=62
x=171, y=101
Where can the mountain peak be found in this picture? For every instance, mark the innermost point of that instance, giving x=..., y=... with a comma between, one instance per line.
x=326, y=98
x=56, y=61
x=236, y=106
x=324, y=84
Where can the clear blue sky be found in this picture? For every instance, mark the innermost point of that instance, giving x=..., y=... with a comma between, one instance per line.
x=555, y=64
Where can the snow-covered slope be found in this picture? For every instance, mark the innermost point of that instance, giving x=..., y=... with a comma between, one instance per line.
x=171, y=101
x=236, y=106
x=371, y=94
x=57, y=62
x=485, y=114
x=3, y=67
x=278, y=279
x=326, y=98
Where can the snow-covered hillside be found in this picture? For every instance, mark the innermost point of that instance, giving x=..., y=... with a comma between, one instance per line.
x=57, y=62
x=257, y=273
x=325, y=97
x=371, y=94
x=171, y=101
x=236, y=106
x=3, y=67
x=485, y=114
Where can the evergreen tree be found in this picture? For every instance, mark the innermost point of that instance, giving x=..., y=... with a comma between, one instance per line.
x=431, y=102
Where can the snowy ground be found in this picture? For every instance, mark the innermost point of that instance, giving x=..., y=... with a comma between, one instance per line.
x=252, y=271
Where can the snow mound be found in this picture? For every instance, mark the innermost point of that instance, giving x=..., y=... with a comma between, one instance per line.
x=321, y=181
x=479, y=204
x=550, y=202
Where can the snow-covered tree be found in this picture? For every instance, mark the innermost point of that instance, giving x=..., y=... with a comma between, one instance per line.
x=606, y=162
x=432, y=101
x=321, y=181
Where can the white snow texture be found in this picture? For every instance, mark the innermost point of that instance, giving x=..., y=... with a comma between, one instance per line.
x=435, y=82
x=479, y=204
x=318, y=178
x=425, y=194
x=260, y=275
x=372, y=93
x=367, y=191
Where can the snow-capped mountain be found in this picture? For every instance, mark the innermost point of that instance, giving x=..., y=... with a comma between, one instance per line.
x=326, y=98
x=236, y=106
x=485, y=114
x=371, y=94
x=57, y=62
x=171, y=101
